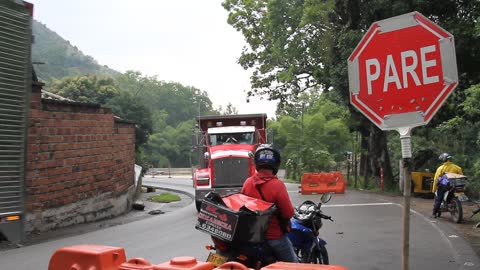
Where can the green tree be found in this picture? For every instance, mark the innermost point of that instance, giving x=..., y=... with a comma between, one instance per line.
x=469, y=128
x=173, y=108
x=177, y=102
x=132, y=108
x=303, y=45
x=288, y=131
x=229, y=109
x=352, y=18
x=314, y=140
x=89, y=89
x=288, y=41
x=170, y=147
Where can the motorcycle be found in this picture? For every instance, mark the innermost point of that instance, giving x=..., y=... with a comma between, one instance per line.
x=305, y=226
x=453, y=197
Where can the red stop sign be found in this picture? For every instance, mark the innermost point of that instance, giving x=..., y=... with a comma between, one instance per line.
x=402, y=71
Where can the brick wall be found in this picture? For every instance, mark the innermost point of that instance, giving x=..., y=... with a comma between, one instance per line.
x=80, y=164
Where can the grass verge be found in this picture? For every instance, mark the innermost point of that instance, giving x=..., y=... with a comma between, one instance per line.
x=165, y=197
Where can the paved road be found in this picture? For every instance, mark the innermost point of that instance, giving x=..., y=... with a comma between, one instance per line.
x=365, y=235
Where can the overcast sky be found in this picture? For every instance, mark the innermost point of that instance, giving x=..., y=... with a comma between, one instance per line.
x=186, y=41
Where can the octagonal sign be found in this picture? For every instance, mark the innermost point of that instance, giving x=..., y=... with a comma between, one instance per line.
x=402, y=71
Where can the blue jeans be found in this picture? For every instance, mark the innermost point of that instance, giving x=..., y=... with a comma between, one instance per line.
x=438, y=199
x=283, y=249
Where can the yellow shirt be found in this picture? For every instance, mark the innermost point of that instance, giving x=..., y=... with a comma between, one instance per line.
x=446, y=167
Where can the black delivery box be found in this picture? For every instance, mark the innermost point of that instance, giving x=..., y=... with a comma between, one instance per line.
x=235, y=217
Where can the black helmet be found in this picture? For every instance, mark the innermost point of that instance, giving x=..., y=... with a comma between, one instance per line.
x=444, y=157
x=267, y=157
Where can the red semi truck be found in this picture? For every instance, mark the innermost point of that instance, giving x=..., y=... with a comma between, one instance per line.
x=225, y=146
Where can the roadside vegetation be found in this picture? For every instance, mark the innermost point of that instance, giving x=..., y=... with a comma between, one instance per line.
x=299, y=49
x=297, y=52
x=165, y=197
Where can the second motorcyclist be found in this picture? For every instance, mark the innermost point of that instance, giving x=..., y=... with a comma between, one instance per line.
x=439, y=187
x=265, y=185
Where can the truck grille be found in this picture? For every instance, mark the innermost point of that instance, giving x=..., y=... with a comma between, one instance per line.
x=230, y=171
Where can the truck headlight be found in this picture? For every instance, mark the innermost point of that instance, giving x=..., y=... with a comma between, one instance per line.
x=203, y=181
x=203, y=178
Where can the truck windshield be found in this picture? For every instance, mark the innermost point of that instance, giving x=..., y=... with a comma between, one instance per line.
x=231, y=138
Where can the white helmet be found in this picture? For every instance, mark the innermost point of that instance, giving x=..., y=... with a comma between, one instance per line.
x=444, y=157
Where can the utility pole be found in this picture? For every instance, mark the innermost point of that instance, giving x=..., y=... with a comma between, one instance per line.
x=355, y=164
x=302, y=142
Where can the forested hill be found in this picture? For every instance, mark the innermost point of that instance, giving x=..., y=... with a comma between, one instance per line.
x=164, y=112
x=60, y=58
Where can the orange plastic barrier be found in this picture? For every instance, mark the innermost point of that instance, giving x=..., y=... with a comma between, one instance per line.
x=183, y=263
x=83, y=257
x=301, y=266
x=316, y=183
x=136, y=264
x=232, y=266
x=87, y=257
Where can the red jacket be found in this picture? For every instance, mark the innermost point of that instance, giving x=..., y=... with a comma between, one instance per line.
x=274, y=191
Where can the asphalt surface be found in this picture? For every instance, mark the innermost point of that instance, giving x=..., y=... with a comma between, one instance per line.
x=151, y=209
x=466, y=229
x=422, y=207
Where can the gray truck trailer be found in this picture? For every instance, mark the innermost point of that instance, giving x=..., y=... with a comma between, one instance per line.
x=15, y=88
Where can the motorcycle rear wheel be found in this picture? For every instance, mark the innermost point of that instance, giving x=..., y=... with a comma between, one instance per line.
x=456, y=210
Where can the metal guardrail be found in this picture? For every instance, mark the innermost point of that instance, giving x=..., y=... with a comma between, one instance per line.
x=170, y=171
x=188, y=171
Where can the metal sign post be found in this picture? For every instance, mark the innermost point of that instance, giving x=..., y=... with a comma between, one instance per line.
x=400, y=74
x=406, y=159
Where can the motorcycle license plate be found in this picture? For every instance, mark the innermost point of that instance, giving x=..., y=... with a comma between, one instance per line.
x=216, y=259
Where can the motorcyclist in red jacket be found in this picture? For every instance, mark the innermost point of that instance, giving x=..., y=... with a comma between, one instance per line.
x=265, y=185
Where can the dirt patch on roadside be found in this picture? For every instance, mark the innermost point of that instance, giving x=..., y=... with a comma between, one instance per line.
x=466, y=228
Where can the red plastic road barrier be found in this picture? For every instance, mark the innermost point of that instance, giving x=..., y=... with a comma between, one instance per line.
x=83, y=257
x=183, y=263
x=87, y=257
x=136, y=264
x=316, y=183
x=233, y=266
x=301, y=266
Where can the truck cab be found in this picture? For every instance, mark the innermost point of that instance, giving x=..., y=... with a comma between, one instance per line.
x=226, y=144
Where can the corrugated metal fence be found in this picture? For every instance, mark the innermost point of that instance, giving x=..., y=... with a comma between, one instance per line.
x=15, y=87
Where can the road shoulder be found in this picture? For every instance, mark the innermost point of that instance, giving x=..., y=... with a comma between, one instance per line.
x=466, y=229
x=151, y=209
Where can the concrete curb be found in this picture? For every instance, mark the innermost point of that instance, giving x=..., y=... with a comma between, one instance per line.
x=172, y=190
